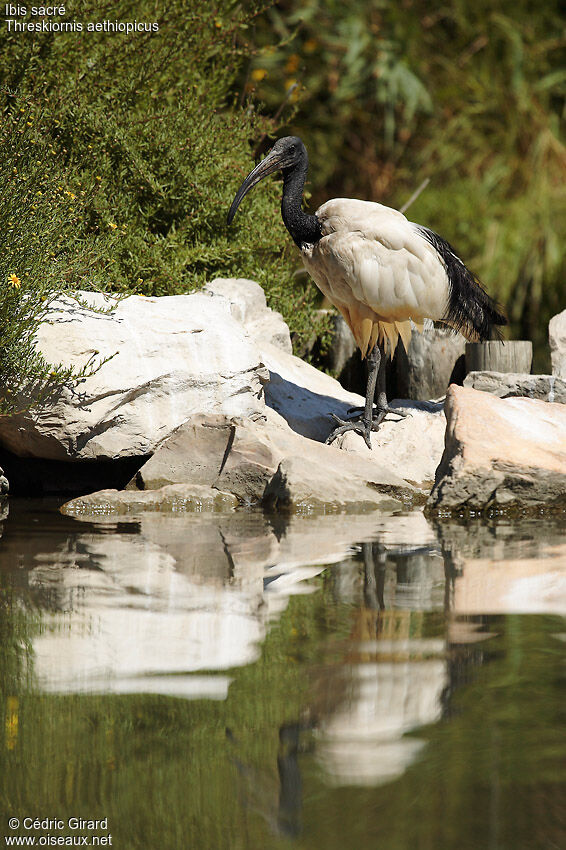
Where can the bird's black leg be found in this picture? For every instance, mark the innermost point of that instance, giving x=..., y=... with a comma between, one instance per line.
x=364, y=424
x=369, y=420
x=381, y=404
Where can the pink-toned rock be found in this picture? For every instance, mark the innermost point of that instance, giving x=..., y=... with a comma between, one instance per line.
x=501, y=453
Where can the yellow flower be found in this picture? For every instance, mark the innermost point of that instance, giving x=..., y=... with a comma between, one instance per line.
x=112, y=225
x=11, y=723
x=258, y=74
x=15, y=281
x=98, y=178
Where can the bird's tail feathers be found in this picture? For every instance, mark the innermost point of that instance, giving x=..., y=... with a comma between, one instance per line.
x=470, y=309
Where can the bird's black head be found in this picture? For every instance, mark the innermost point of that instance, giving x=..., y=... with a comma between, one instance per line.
x=287, y=154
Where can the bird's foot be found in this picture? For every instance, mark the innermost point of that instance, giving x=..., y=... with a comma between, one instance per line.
x=361, y=426
x=380, y=412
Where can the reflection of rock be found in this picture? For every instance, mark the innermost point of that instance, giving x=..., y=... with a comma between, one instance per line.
x=533, y=586
x=183, y=594
x=363, y=742
x=500, y=453
x=394, y=678
x=504, y=567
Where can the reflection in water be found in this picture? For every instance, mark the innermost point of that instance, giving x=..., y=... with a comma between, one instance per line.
x=333, y=644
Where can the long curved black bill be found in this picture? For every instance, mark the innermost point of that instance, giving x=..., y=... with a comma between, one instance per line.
x=272, y=162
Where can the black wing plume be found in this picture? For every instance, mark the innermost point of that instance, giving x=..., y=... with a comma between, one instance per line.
x=470, y=308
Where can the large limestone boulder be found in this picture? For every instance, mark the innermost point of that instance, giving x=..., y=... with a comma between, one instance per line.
x=557, y=340
x=171, y=357
x=500, y=453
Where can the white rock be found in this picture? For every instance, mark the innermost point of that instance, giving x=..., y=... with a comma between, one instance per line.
x=307, y=398
x=249, y=306
x=557, y=340
x=303, y=396
x=171, y=357
x=265, y=461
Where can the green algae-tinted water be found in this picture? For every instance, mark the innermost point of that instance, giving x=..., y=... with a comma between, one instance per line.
x=236, y=681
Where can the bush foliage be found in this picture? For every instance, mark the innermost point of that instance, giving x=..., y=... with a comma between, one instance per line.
x=41, y=253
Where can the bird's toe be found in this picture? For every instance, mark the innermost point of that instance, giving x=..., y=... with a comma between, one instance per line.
x=360, y=427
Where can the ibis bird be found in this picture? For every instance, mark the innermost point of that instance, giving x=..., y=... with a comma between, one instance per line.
x=380, y=270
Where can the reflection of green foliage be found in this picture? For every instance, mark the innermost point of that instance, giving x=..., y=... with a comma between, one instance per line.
x=471, y=95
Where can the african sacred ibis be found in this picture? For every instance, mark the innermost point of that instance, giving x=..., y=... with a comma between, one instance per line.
x=380, y=270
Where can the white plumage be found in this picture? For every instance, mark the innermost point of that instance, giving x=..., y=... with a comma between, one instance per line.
x=378, y=270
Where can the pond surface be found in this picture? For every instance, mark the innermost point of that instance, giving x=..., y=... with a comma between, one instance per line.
x=242, y=681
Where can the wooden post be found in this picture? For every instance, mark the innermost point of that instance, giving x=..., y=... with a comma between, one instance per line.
x=498, y=356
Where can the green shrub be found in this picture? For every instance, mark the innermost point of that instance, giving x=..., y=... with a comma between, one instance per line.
x=41, y=254
x=150, y=128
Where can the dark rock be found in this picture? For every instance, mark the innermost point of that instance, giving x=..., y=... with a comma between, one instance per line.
x=193, y=453
x=31, y=476
x=435, y=359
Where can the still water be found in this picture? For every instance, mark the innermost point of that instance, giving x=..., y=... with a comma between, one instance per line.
x=242, y=681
